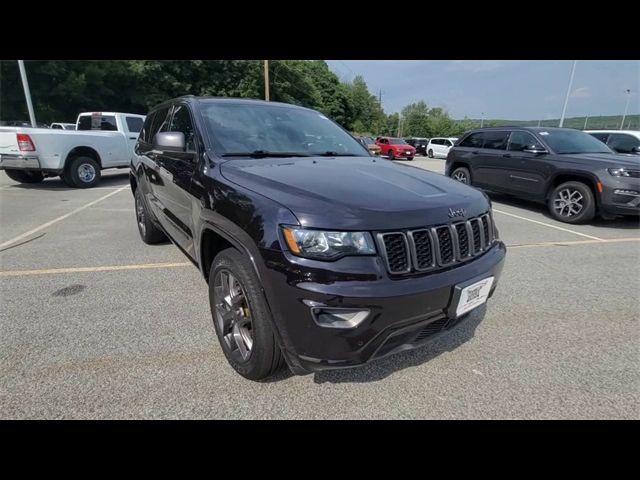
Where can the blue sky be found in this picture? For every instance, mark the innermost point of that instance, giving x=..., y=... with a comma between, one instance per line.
x=506, y=89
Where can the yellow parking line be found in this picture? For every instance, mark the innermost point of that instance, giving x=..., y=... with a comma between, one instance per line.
x=574, y=242
x=547, y=224
x=106, y=268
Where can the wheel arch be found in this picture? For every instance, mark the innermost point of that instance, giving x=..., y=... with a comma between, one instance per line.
x=82, y=151
x=584, y=177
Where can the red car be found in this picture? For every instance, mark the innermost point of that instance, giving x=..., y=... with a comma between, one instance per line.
x=395, y=148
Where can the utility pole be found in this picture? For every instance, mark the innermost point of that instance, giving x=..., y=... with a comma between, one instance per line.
x=380, y=97
x=538, y=122
x=481, y=119
x=585, y=122
x=27, y=93
x=266, y=80
x=626, y=107
x=566, y=98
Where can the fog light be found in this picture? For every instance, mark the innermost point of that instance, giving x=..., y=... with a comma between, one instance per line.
x=627, y=192
x=338, y=317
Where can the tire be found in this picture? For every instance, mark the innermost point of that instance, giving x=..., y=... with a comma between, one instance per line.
x=251, y=320
x=390, y=155
x=462, y=175
x=67, y=181
x=24, y=176
x=409, y=158
x=83, y=172
x=149, y=232
x=430, y=153
x=572, y=202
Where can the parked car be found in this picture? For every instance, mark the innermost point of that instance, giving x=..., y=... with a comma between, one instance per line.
x=371, y=145
x=439, y=147
x=576, y=175
x=102, y=140
x=22, y=123
x=621, y=141
x=420, y=144
x=63, y=126
x=395, y=148
x=317, y=255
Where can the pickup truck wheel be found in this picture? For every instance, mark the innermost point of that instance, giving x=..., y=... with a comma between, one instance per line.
x=24, y=176
x=241, y=318
x=572, y=202
x=149, y=232
x=84, y=172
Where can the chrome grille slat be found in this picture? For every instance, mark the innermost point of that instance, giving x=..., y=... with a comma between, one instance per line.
x=424, y=249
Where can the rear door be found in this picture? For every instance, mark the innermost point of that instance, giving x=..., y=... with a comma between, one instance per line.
x=491, y=162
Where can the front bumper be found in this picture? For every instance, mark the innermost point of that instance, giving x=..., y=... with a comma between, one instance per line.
x=620, y=196
x=404, y=312
x=21, y=162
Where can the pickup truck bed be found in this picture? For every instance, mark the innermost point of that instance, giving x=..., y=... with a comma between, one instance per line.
x=29, y=155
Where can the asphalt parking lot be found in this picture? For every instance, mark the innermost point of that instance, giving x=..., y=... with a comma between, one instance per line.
x=95, y=324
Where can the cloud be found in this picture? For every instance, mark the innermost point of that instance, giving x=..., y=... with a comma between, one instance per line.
x=581, y=92
x=476, y=66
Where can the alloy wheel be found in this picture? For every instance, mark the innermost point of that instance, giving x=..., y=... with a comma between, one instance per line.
x=233, y=315
x=569, y=202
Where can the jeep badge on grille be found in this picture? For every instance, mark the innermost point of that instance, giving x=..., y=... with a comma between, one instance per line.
x=458, y=212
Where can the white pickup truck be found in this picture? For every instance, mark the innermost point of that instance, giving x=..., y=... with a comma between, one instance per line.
x=101, y=140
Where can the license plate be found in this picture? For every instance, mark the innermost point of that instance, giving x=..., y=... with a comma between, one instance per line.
x=473, y=296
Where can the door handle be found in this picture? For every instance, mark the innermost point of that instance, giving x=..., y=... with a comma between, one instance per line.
x=507, y=155
x=133, y=138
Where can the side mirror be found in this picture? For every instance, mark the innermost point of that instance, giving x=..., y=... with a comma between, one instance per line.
x=535, y=149
x=169, y=142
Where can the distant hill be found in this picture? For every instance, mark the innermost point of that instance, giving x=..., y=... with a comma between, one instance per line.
x=610, y=122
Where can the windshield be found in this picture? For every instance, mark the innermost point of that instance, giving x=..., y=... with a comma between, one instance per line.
x=573, y=141
x=397, y=141
x=243, y=128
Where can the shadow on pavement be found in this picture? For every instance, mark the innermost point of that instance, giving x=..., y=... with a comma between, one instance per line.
x=119, y=179
x=623, y=222
x=380, y=369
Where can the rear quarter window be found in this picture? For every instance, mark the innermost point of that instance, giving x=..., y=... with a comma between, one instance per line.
x=134, y=124
x=98, y=122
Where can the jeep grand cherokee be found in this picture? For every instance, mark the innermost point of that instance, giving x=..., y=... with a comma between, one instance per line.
x=317, y=255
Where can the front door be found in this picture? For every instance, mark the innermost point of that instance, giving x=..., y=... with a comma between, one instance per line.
x=527, y=172
x=176, y=170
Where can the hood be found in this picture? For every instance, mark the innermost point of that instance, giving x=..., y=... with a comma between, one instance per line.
x=604, y=160
x=356, y=192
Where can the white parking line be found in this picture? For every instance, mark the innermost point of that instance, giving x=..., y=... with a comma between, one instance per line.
x=59, y=219
x=549, y=225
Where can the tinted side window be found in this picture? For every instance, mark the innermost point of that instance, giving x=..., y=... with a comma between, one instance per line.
x=495, y=140
x=474, y=140
x=181, y=122
x=97, y=122
x=519, y=140
x=134, y=124
x=623, y=143
x=58, y=127
x=160, y=118
x=146, y=127
x=600, y=136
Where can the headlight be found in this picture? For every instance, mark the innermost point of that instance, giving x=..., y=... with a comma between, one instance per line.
x=619, y=172
x=327, y=245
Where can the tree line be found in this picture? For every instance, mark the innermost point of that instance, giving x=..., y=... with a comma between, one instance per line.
x=60, y=89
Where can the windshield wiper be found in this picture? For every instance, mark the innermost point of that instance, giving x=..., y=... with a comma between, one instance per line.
x=265, y=153
x=334, y=154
